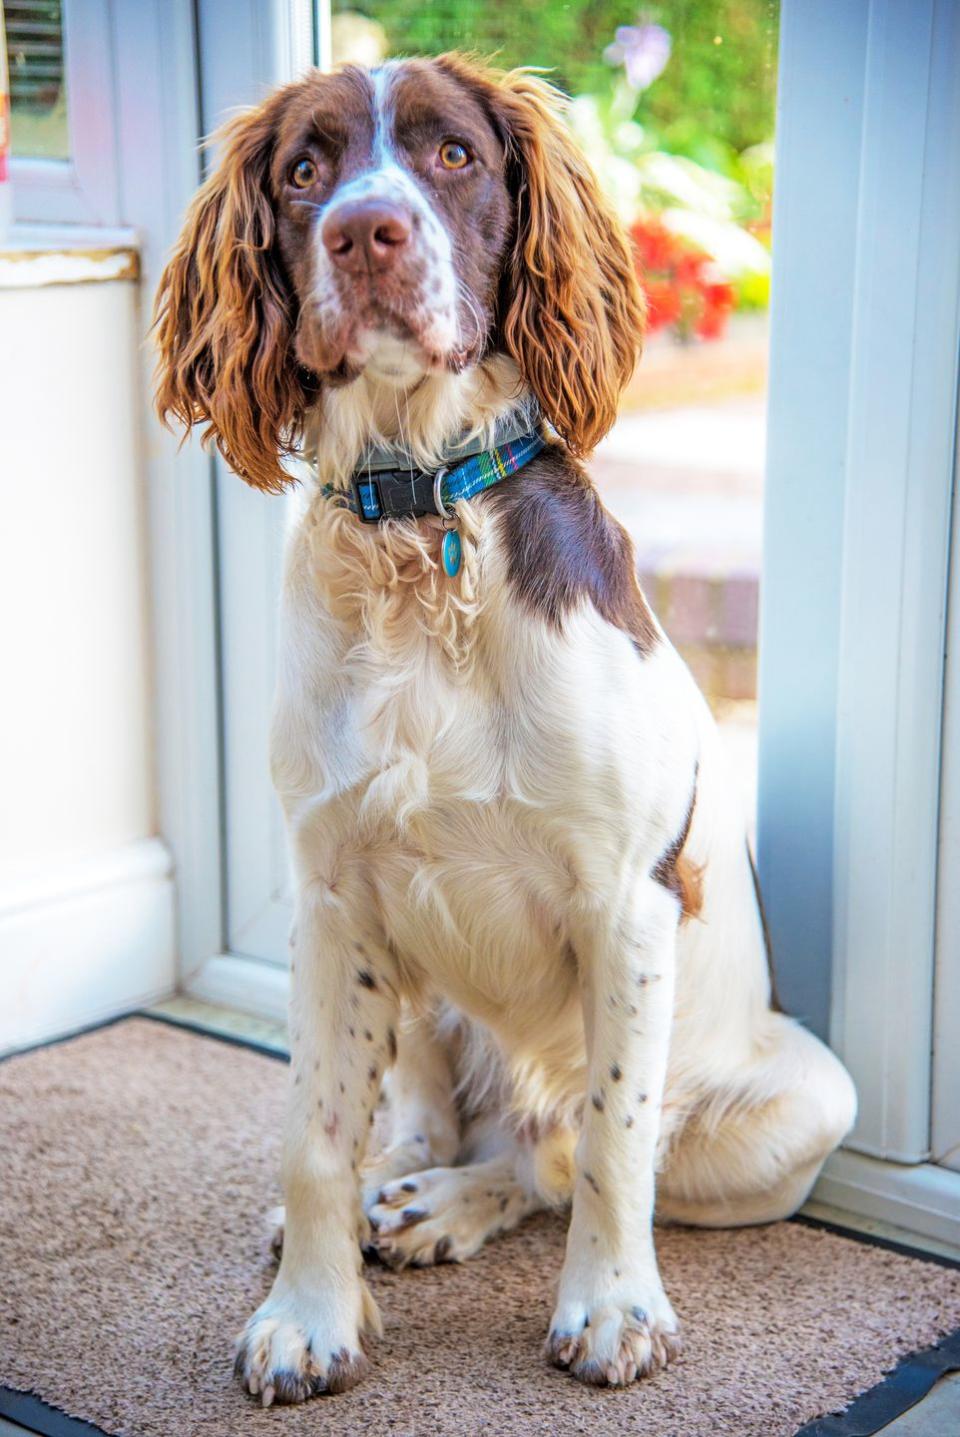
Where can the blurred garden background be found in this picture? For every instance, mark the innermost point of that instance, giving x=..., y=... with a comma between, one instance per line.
x=675, y=104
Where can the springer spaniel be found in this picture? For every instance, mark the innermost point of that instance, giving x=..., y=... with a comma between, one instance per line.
x=525, y=905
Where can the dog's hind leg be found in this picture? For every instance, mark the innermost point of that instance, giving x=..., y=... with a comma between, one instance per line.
x=423, y=1125
x=751, y=1150
x=423, y=1120
x=446, y=1214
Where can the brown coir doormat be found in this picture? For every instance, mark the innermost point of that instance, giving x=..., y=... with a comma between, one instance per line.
x=138, y=1162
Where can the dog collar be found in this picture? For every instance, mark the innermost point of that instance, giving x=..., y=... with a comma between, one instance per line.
x=381, y=488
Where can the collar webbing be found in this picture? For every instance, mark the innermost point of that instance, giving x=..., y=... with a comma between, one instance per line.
x=402, y=493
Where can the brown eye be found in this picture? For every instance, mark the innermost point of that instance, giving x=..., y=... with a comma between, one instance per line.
x=453, y=155
x=303, y=174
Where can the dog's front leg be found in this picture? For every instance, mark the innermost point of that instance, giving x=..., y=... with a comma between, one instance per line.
x=613, y=1322
x=305, y=1338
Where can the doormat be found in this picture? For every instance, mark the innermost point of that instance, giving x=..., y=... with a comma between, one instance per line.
x=139, y=1161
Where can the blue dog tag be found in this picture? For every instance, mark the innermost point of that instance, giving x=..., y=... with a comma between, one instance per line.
x=451, y=553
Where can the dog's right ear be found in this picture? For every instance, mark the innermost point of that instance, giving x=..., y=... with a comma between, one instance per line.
x=225, y=313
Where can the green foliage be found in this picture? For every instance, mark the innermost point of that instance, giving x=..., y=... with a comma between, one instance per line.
x=716, y=96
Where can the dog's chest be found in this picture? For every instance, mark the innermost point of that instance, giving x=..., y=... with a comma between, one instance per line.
x=481, y=799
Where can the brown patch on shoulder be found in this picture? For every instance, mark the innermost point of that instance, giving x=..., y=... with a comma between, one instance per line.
x=676, y=871
x=563, y=547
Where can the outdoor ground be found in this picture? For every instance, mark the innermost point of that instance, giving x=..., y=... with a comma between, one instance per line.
x=683, y=471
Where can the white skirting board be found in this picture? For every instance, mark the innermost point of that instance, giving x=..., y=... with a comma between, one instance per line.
x=85, y=941
x=922, y=1198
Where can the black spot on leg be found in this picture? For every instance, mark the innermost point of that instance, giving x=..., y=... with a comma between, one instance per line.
x=392, y=1044
x=366, y=979
x=368, y=1035
x=342, y=1088
x=372, y=1073
x=628, y=1121
x=352, y=1032
x=592, y=1182
x=641, y=1097
x=598, y=1103
x=616, y=1072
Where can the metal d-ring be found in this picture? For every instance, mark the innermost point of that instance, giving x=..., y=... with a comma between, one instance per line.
x=438, y=503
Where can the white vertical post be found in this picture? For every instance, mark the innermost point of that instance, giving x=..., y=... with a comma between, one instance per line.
x=899, y=481
x=822, y=51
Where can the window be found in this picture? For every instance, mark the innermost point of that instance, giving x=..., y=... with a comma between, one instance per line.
x=674, y=104
x=38, y=102
x=62, y=112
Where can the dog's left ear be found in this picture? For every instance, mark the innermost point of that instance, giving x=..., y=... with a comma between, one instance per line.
x=573, y=312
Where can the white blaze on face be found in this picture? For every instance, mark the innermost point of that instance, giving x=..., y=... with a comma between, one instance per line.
x=425, y=323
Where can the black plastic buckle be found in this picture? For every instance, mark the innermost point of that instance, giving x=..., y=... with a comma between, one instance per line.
x=397, y=493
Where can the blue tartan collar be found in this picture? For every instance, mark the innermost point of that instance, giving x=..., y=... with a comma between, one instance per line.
x=381, y=489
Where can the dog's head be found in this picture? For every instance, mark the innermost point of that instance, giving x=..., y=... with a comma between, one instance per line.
x=399, y=222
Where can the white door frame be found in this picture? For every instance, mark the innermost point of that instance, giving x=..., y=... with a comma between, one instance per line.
x=243, y=54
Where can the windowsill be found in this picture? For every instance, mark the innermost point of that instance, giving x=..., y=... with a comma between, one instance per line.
x=35, y=256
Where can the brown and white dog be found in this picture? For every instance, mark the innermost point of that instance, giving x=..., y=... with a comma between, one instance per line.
x=524, y=898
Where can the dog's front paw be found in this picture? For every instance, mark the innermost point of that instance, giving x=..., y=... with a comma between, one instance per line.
x=612, y=1340
x=293, y=1348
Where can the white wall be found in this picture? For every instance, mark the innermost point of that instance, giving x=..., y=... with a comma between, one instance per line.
x=86, y=911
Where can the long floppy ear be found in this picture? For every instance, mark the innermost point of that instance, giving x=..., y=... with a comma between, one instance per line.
x=225, y=314
x=572, y=311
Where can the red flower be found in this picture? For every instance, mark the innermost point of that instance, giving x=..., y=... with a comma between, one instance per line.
x=674, y=274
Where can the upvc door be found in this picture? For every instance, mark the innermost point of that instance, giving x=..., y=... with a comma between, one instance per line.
x=855, y=757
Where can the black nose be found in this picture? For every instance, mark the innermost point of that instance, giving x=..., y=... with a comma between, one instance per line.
x=366, y=236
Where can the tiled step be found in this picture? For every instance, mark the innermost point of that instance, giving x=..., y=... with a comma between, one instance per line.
x=712, y=620
x=687, y=483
